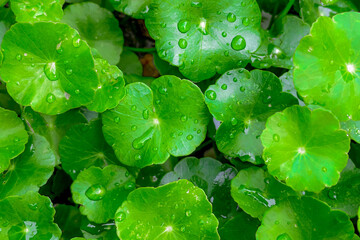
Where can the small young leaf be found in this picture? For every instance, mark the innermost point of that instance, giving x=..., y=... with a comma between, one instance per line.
x=98, y=27
x=30, y=170
x=243, y=101
x=29, y=216
x=13, y=137
x=178, y=210
x=101, y=191
x=255, y=190
x=217, y=36
x=47, y=66
x=303, y=219
x=149, y=124
x=305, y=148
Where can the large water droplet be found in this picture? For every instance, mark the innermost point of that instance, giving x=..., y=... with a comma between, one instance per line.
x=224, y=87
x=183, y=43
x=238, y=43
x=95, y=192
x=184, y=26
x=50, y=98
x=50, y=71
x=245, y=21
x=210, y=94
x=231, y=17
x=76, y=41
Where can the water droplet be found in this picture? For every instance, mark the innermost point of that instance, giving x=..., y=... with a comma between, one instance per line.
x=120, y=216
x=283, y=236
x=133, y=127
x=138, y=157
x=33, y=206
x=196, y=4
x=238, y=43
x=242, y=89
x=245, y=21
x=224, y=87
x=234, y=121
x=50, y=71
x=163, y=25
x=162, y=53
x=117, y=119
x=231, y=17
x=224, y=34
x=182, y=229
x=277, y=222
x=130, y=186
x=59, y=49
x=76, y=41
x=69, y=71
x=183, y=43
x=226, y=53
x=189, y=137
x=95, y=192
x=184, y=26
x=324, y=169
x=50, y=98
x=145, y=114
x=188, y=213
x=276, y=137
x=16, y=139
x=332, y=194
x=183, y=118
x=210, y=94
x=133, y=107
x=162, y=90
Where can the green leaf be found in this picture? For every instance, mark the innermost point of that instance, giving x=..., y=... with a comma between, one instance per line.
x=243, y=101
x=149, y=124
x=13, y=137
x=37, y=10
x=326, y=71
x=136, y=9
x=110, y=89
x=278, y=48
x=69, y=219
x=98, y=27
x=50, y=55
x=101, y=191
x=130, y=63
x=305, y=148
x=353, y=129
x=177, y=210
x=345, y=194
x=28, y=217
x=255, y=190
x=104, y=231
x=84, y=146
x=217, y=36
x=304, y=219
x=30, y=170
x=211, y=176
x=53, y=128
x=241, y=227
x=311, y=10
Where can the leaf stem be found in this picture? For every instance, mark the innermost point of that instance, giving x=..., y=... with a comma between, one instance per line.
x=141, y=49
x=283, y=13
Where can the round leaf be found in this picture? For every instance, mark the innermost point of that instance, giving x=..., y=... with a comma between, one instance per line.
x=101, y=191
x=37, y=10
x=28, y=217
x=345, y=194
x=327, y=68
x=304, y=219
x=241, y=227
x=13, y=137
x=47, y=66
x=149, y=124
x=110, y=89
x=211, y=176
x=215, y=37
x=137, y=9
x=30, y=170
x=255, y=190
x=178, y=210
x=243, y=101
x=98, y=27
x=84, y=146
x=306, y=149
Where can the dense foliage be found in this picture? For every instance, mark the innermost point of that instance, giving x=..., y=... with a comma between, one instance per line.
x=179, y=119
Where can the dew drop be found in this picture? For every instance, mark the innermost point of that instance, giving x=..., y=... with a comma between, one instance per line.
x=76, y=41
x=183, y=118
x=95, y=192
x=242, y=89
x=184, y=26
x=133, y=107
x=188, y=213
x=183, y=43
x=138, y=157
x=16, y=139
x=50, y=98
x=162, y=90
x=324, y=169
x=238, y=43
x=182, y=229
x=50, y=71
x=210, y=94
x=120, y=216
x=145, y=114
x=234, y=121
x=130, y=186
x=189, y=137
x=196, y=4
x=33, y=206
x=231, y=17
x=69, y=71
x=59, y=49
x=226, y=53
x=224, y=34
x=245, y=21
x=117, y=119
x=332, y=194
x=133, y=127
x=276, y=137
